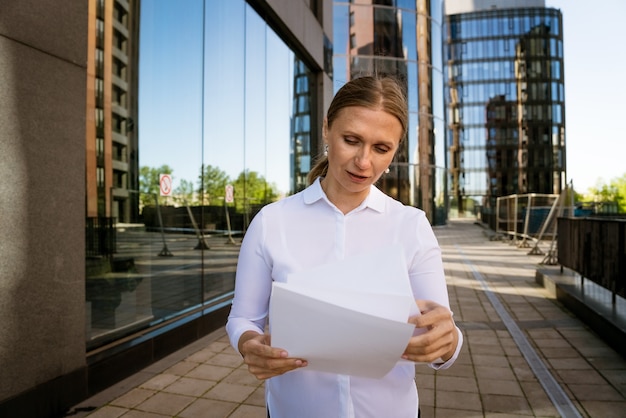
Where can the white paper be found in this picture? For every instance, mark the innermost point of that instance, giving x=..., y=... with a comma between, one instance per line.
x=348, y=317
x=382, y=272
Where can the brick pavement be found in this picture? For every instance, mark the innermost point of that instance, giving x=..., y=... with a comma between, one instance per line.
x=524, y=354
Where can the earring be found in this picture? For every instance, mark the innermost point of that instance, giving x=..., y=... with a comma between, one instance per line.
x=326, y=150
x=387, y=170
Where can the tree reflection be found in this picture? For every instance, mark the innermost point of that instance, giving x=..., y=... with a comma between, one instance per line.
x=250, y=188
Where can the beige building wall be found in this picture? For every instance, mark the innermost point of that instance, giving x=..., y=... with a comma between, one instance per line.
x=43, y=49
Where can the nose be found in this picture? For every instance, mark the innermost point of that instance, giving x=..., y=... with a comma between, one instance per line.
x=363, y=158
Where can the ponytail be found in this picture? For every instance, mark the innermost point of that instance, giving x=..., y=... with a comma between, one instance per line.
x=319, y=170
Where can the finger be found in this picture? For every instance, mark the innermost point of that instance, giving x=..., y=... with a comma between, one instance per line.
x=438, y=338
x=273, y=368
x=432, y=316
x=259, y=346
x=429, y=357
x=426, y=305
x=265, y=361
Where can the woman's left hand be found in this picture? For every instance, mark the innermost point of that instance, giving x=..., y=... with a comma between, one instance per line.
x=440, y=339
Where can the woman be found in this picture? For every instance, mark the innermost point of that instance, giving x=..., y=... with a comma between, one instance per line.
x=342, y=214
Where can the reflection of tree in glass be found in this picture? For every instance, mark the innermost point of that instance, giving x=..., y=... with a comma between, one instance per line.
x=149, y=183
x=214, y=182
x=185, y=194
x=252, y=189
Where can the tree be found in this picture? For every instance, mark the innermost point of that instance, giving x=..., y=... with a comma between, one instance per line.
x=610, y=197
x=619, y=185
x=184, y=193
x=149, y=183
x=212, y=184
x=251, y=188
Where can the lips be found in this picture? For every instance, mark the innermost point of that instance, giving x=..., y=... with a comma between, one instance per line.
x=357, y=178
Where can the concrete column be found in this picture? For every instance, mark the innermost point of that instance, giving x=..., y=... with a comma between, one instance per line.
x=43, y=47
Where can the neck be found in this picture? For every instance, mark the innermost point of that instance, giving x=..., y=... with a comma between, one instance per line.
x=344, y=201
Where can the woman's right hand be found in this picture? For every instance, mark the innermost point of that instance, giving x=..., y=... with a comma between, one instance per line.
x=263, y=360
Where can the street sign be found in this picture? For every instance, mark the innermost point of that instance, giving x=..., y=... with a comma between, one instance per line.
x=229, y=196
x=165, y=184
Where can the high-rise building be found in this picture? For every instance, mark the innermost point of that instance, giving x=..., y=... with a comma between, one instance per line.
x=112, y=160
x=401, y=38
x=505, y=102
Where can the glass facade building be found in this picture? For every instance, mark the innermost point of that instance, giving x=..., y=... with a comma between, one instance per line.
x=505, y=105
x=230, y=110
x=403, y=38
x=179, y=121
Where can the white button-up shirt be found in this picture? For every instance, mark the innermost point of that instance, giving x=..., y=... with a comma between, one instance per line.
x=304, y=231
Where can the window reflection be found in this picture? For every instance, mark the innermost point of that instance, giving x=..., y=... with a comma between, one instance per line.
x=383, y=37
x=217, y=125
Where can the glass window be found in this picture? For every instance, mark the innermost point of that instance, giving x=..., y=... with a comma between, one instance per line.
x=407, y=4
x=437, y=41
x=222, y=102
x=557, y=116
x=436, y=11
x=342, y=21
x=412, y=89
x=437, y=83
x=408, y=35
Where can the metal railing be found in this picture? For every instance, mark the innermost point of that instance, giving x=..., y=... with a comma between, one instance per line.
x=595, y=249
x=529, y=219
x=100, y=237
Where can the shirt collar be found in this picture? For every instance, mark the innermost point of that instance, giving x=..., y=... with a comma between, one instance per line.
x=375, y=199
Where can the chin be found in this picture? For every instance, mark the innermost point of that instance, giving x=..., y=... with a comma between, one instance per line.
x=359, y=186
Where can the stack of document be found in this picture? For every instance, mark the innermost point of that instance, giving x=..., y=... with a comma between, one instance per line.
x=348, y=317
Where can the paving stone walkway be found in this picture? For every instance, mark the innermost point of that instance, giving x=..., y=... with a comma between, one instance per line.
x=524, y=354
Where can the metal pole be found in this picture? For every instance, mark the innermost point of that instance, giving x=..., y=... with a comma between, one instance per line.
x=165, y=252
x=230, y=233
x=202, y=245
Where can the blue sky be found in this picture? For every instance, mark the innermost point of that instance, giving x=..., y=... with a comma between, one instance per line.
x=173, y=130
x=595, y=90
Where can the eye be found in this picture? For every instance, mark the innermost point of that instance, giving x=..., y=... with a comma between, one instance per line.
x=350, y=140
x=382, y=149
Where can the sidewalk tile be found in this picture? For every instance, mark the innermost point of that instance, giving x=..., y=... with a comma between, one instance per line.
x=605, y=409
x=458, y=400
x=208, y=408
x=500, y=387
x=210, y=372
x=160, y=381
x=165, y=403
x=229, y=392
x=133, y=398
x=190, y=387
x=249, y=411
x=506, y=404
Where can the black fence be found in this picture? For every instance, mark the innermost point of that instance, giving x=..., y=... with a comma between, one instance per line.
x=100, y=236
x=595, y=249
x=207, y=218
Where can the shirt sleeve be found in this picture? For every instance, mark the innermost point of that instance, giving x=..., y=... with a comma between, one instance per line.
x=428, y=278
x=426, y=267
x=253, y=285
x=451, y=360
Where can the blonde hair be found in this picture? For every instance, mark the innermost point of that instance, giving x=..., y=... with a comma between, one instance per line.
x=374, y=92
